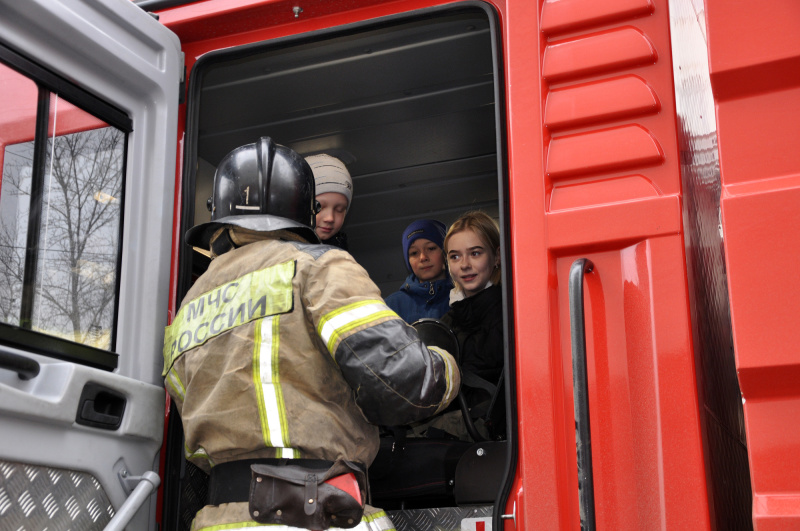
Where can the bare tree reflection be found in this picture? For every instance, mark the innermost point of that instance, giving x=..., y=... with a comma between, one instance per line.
x=76, y=273
x=14, y=205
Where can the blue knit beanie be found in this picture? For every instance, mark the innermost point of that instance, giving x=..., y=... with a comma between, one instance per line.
x=430, y=229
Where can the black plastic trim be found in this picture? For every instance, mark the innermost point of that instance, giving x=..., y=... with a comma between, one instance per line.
x=158, y=5
x=580, y=390
x=510, y=395
x=100, y=407
x=54, y=347
x=35, y=210
x=25, y=367
x=121, y=240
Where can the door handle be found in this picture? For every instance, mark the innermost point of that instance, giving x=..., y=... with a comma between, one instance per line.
x=580, y=392
x=100, y=407
x=25, y=367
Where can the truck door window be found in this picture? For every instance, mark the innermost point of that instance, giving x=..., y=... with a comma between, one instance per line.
x=60, y=216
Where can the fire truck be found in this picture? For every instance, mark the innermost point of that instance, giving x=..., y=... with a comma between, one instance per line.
x=639, y=156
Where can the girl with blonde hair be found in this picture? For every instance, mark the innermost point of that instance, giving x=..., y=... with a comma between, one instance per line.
x=472, y=247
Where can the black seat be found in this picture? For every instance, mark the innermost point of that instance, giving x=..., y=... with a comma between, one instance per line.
x=479, y=473
x=415, y=472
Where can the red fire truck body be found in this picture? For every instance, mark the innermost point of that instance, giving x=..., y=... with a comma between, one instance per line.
x=637, y=154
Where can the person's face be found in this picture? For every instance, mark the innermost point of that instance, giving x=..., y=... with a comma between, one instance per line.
x=471, y=263
x=331, y=215
x=426, y=260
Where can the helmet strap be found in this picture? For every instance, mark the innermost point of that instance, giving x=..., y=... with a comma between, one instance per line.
x=221, y=242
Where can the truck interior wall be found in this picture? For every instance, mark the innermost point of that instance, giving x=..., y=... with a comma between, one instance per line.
x=409, y=107
x=718, y=387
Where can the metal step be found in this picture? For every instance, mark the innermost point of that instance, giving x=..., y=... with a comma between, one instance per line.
x=472, y=518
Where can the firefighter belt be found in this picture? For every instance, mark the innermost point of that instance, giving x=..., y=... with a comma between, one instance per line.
x=303, y=493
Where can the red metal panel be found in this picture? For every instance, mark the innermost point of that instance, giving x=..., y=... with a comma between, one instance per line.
x=617, y=224
x=567, y=15
x=596, y=54
x=607, y=177
x=755, y=71
x=542, y=491
x=208, y=26
x=633, y=146
x=204, y=21
x=648, y=471
x=623, y=97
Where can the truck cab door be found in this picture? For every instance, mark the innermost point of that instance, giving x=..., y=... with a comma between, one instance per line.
x=89, y=95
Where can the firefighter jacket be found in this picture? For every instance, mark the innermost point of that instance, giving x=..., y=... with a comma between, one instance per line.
x=284, y=349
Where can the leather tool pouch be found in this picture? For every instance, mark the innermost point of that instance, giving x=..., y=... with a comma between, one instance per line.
x=299, y=496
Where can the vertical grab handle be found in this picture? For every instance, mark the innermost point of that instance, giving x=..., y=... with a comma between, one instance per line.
x=580, y=390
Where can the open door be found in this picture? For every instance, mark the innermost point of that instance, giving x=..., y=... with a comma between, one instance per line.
x=88, y=110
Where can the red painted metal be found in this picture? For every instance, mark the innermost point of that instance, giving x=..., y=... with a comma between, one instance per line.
x=756, y=79
x=633, y=145
x=609, y=51
x=594, y=171
x=567, y=15
x=579, y=177
x=623, y=97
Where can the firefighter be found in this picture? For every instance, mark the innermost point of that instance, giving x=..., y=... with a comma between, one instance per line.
x=283, y=358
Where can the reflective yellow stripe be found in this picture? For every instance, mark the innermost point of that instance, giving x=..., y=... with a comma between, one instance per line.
x=176, y=385
x=450, y=392
x=250, y=297
x=338, y=322
x=200, y=453
x=243, y=526
x=266, y=379
x=378, y=521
